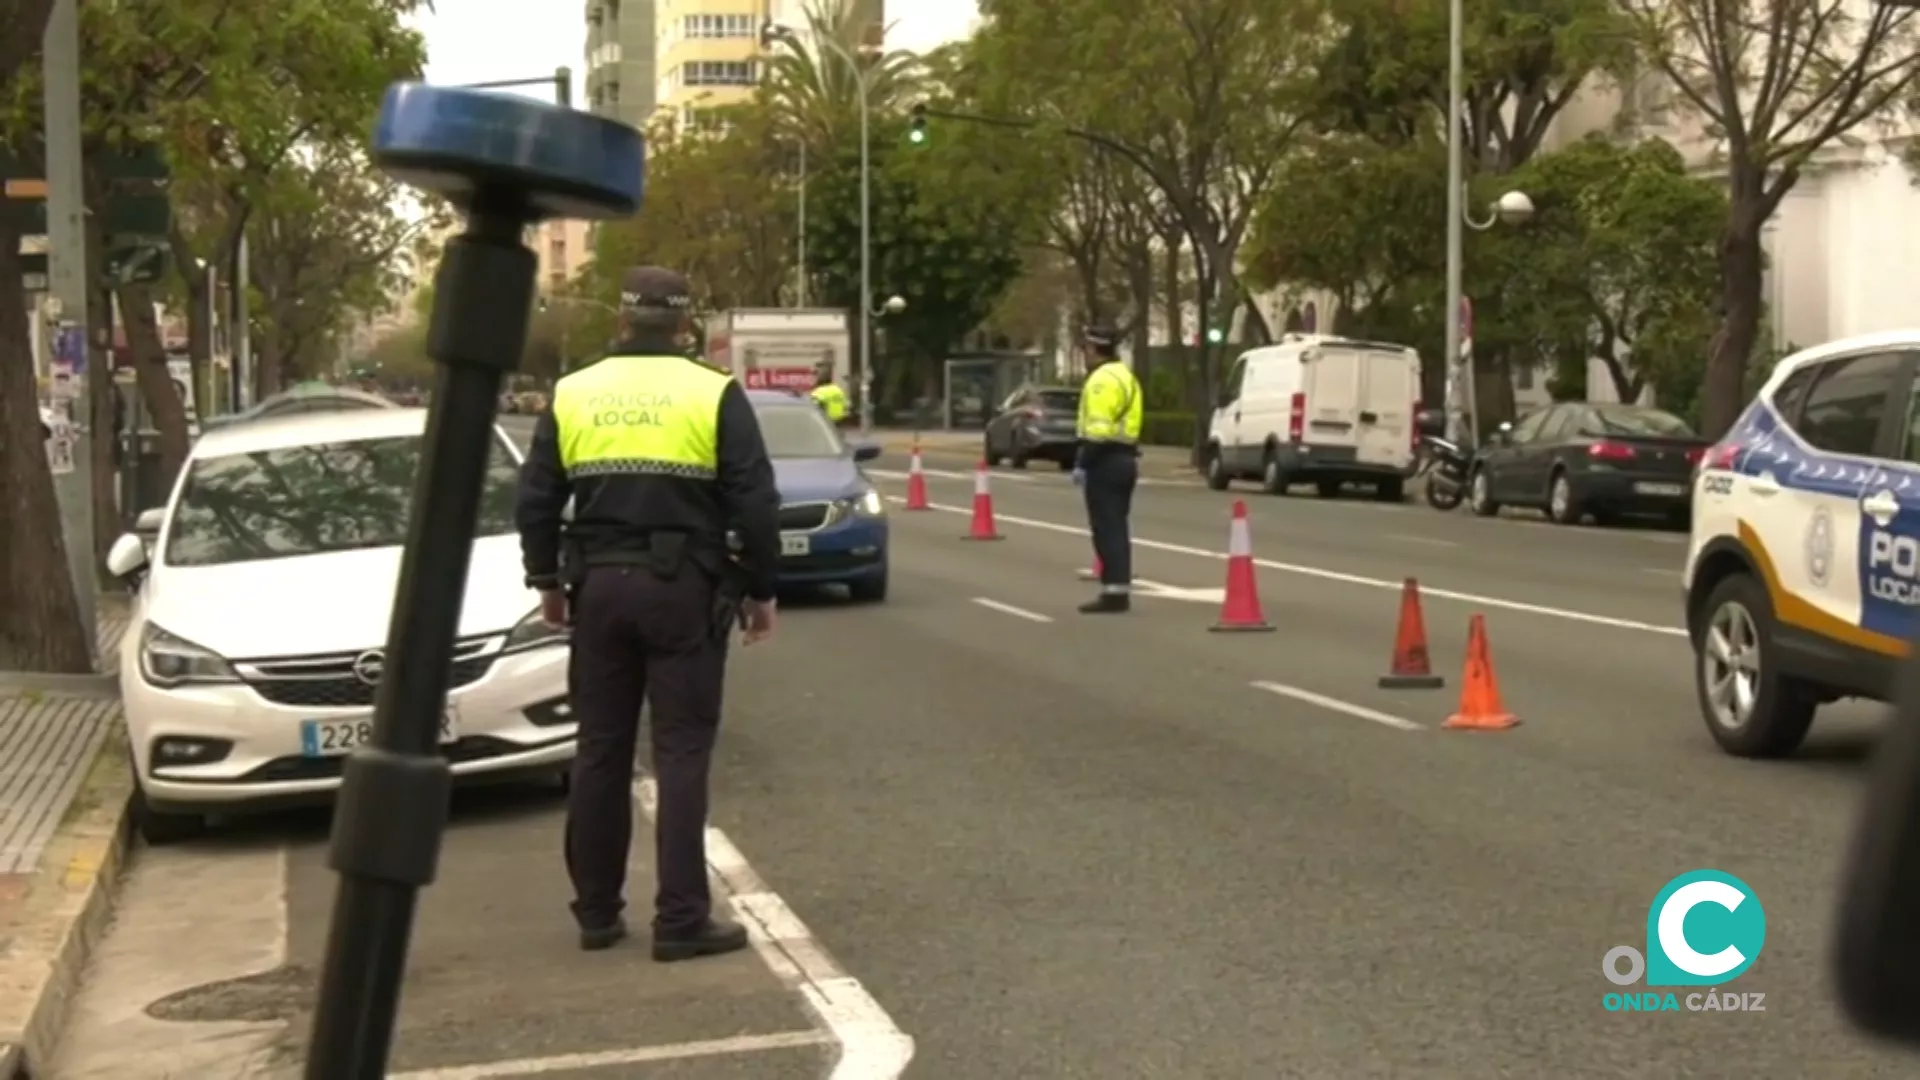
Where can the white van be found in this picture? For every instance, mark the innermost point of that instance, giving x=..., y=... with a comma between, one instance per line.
x=1320, y=410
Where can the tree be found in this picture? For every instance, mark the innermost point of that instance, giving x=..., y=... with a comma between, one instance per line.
x=40, y=620
x=815, y=94
x=1201, y=96
x=1619, y=264
x=1775, y=84
x=946, y=237
x=325, y=246
x=712, y=214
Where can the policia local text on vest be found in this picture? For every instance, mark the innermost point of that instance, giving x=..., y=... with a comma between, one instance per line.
x=660, y=456
x=1107, y=467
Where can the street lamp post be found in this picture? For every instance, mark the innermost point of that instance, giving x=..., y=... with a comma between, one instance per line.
x=770, y=34
x=1463, y=411
x=800, y=266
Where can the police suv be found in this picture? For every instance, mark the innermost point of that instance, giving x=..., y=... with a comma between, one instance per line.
x=1803, y=573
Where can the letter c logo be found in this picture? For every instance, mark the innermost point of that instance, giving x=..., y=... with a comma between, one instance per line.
x=1732, y=919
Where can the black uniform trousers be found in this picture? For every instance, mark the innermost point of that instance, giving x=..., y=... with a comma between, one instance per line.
x=640, y=637
x=1112, y=472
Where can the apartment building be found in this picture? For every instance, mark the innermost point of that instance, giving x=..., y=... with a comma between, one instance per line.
x=561, y=249
x=620, y=71
x=706, y=56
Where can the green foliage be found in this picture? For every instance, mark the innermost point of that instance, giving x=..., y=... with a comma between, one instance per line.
x=1619, y=263
x=717, y=209
x=942, y=238
x=811, y=82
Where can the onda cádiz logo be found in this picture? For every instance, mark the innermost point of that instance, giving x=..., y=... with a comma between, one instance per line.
x=1705, y=929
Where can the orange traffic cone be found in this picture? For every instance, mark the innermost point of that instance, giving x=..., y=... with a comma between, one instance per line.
x=1480, y=707
x=1240, y=608
x=983, y=527
x=1411, y=669
x=917, y=482
x=1093, y=574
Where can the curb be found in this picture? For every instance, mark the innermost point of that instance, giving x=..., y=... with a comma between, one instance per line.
x=28, y=682
x=63, y=915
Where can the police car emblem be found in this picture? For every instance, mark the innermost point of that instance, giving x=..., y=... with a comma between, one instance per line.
x=1820, y=546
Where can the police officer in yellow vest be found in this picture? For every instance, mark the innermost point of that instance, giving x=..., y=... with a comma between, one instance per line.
x=1107, y=466
x=660, y=456
x=828, y=395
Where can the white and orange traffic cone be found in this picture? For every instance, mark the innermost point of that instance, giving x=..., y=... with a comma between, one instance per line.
x=1240, y=607
x=983, y=526
x=917, y=482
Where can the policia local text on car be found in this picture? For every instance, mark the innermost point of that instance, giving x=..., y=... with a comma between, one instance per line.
x=661, y=457
x=1108, y=465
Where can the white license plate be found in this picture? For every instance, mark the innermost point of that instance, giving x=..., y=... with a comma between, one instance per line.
x=332, y=738
x=1659, y=489
x=791, y=544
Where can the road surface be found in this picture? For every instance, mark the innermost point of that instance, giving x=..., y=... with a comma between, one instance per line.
x=1048, y=846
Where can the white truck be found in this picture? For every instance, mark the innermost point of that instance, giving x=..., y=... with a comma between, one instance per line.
x=779, y=348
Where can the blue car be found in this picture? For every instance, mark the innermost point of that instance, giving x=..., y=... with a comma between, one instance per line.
x=833, y=523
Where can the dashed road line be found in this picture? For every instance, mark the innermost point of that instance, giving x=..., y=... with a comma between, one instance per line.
x=872, y=1046
x=1009, y=609
x=1398, y=723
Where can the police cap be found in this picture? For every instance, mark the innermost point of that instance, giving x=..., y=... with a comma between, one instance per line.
x=654, y=288
x=1101, y=335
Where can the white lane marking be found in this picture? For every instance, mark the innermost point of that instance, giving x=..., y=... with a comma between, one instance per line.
x=1009, y=609
x=948, y=474
x=1144, y=587
x=739, y=1044
x=1344, y=578
x=1336, y=705
x=1421, y=539
x=872, y=1046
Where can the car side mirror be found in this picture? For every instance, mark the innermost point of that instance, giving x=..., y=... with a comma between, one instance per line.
x=127, y=559
x=1431, y=423
x=1503, y=435
x=150, y=520
x=866, y=451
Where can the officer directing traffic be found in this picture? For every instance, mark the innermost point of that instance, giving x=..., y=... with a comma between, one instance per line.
x=660, y=456
x=1107, y=465
x=828, y=395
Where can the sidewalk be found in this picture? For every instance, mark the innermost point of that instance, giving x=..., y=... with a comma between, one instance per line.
x=64, y=783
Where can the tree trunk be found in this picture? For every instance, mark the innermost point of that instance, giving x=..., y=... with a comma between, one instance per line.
x=1176, y=334
x=200, y=333
x=163, y=402
x=1140, y=284
x=1723, y=385
x=40, y=628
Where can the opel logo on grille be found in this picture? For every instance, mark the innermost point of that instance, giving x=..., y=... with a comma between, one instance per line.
x=368, y=665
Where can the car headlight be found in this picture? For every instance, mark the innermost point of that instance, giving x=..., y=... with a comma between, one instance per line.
x=167, y=660
x=532, y=632
x=870, y=504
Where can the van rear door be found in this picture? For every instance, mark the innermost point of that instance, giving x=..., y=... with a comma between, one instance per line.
x=1331, y=387
x=1390, y=388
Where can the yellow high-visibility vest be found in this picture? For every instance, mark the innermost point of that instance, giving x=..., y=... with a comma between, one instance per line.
x=832, y=400
x=1111, y=405
x=640, y=416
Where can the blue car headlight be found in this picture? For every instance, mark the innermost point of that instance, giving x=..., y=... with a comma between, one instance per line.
x=867, y=504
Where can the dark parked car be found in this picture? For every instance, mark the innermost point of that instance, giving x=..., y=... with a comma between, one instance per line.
x=1576, y=459
x=1035, y=422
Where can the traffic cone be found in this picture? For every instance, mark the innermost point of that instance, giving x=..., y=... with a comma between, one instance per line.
x=1093, y=574
x=917, y=482
x=1412, y=669
x=1480, y=707
x=983, y=527
x=1240, y=608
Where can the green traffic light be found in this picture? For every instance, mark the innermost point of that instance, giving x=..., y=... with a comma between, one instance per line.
x=916, y=135
x=1216, y=335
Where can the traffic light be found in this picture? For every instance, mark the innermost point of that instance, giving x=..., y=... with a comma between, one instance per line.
x=917, y=127
x=1215, y=335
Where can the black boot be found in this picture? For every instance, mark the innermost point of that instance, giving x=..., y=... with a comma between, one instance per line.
x=715, y=937
x=1107, y=604
x=595, y=938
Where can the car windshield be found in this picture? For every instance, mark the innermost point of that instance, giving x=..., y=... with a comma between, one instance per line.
x=794, y=431
x=1063, y=400
x=1634, y=420
x=311, y=500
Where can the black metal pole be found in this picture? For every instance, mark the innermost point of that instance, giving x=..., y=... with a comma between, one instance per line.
x=394, y=794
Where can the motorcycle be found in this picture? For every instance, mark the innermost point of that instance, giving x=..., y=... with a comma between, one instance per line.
x=1444, y=463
